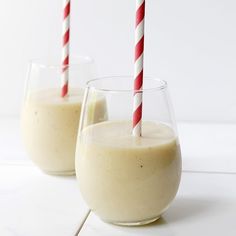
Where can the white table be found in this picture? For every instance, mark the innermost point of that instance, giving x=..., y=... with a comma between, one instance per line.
x=33, y=204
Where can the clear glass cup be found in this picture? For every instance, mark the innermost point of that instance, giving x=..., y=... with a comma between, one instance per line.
x=49, y=123
x=128, y=180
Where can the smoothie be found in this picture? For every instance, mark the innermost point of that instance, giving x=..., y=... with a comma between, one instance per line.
x=126, y=179
x=50, y=126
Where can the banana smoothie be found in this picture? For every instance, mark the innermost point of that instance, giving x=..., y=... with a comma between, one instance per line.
x=50, y=126
x=127, y=179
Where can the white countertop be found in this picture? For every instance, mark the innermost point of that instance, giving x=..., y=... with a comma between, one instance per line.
x=33, y=204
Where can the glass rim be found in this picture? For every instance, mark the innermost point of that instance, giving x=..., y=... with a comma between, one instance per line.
x=163, y=84
x=50, y=63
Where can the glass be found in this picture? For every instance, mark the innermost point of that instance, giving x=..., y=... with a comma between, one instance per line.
x=49, y=123
x=128, y=180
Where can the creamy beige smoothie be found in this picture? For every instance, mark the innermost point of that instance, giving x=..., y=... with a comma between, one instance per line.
x=127, y=179
x=50, y=126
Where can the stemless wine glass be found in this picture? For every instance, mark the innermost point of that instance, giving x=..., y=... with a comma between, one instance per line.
x=50, y=122
x=128, y=180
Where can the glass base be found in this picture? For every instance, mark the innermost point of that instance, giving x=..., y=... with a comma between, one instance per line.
x=60, y=173
x=136, y=223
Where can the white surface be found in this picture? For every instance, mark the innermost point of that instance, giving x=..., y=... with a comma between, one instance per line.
x=205, y=205
x=34, y=204
x=189, y=43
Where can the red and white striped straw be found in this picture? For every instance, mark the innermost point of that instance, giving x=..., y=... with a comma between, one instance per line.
x=138, y=67
x=65, y=48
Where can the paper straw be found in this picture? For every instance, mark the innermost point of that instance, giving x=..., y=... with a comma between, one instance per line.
x=138, y=68
x=65, y=48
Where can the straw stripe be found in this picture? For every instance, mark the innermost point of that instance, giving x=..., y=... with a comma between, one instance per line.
x=138, y=67
x=139, y=48
x=139, y=3
x=66, y=37
x=65, y=48
x=139, y=32
x=138, y=83
x=65, y=62
x=67, y=8
x=138, y=114
x=140, y=11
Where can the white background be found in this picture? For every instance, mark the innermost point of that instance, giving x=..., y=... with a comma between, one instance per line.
x=191, y=44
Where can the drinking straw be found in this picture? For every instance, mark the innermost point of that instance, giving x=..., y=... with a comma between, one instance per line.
x=138, y=68
x=65, y=48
